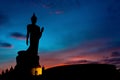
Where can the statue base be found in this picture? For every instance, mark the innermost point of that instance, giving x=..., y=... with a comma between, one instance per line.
x=26, y=59
x=26, y=62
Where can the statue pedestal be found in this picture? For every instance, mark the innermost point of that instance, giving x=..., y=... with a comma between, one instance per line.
x=26, y=61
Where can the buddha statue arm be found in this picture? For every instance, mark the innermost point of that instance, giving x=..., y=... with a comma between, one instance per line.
x=41, y=31
x=27, y=35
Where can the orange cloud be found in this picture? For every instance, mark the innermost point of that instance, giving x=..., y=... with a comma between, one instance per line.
x=92, y=52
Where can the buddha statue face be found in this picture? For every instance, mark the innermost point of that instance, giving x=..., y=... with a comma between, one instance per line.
x=33, y=19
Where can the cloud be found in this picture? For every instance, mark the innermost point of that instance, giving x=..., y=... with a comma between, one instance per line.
x=5, y=45
x=115, y=54
x=89, y=52
x=80, y=54
x=50, y=5
x=81, y=62
x=57, y=12
x=114, y=61
x=18, y=36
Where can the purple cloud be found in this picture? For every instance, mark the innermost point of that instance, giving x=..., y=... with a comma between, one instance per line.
x=58, y=12
x=115, y=61
x=5, y=45
x=115, y=54
x=82, y=62
x=18, y=36
x=47, y=5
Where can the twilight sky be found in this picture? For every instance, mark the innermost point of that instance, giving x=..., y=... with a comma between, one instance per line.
x=76, y=31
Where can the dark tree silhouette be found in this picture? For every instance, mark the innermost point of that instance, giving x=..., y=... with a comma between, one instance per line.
x=11, y=69
x=3, y=72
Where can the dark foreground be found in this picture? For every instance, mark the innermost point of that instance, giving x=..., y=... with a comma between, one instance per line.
x=83, y=72
x=71, y=72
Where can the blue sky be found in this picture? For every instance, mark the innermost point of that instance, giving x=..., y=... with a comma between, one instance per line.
x=75, y=30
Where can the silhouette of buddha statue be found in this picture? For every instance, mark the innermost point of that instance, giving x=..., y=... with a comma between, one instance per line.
x=34, y=34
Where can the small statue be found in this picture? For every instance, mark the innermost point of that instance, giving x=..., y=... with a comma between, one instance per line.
x=34, y=32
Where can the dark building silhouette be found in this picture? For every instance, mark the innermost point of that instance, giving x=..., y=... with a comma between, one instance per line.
x=28, y=66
